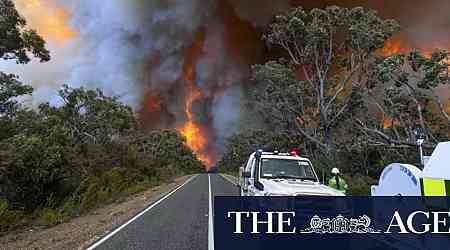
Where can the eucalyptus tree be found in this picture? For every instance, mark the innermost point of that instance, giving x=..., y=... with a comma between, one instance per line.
x=317, y=84
x=405, y=91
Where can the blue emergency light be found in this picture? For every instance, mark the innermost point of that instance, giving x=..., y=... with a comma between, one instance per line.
x=258, y=153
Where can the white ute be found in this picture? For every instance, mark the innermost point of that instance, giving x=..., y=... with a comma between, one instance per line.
x=281, y=174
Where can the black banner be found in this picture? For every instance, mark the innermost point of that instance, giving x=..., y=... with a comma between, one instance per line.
x=362, y=223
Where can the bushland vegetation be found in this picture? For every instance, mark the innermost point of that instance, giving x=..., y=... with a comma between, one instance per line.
x=335, y=94
x=60, y=161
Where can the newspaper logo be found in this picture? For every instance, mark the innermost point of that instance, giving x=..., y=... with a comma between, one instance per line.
x=340, y=225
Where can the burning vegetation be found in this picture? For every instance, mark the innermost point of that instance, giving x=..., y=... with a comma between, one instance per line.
x=184, y=65
x=195, y=135
x=242, y=26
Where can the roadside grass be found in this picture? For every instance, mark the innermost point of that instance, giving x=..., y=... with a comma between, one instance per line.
x=9, y=218
x=96, y=191
x=49, y=217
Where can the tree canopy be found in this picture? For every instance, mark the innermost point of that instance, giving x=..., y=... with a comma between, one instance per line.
x=334, y=93
x=16, y=40
x=316, y=85
x=404, y=91
x=335, y=88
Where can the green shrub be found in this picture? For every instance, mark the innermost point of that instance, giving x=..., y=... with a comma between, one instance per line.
x=9, y=218
x=3, y=206
x=53, y=172
x=360, y=185
x=70, y=208
x=49, y=217
x=109, y=186
x=90, y=197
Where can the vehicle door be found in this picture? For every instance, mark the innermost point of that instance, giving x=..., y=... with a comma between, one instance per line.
x=251, y=181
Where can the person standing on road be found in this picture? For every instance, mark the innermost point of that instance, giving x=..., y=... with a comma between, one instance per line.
x=337, y=182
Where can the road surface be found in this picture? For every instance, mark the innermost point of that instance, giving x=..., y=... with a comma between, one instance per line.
x=179, y=220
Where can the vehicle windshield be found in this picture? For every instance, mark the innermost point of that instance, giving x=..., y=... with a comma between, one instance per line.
x=287, y=169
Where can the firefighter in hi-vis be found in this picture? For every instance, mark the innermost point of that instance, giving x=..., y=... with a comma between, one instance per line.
x=337, y=182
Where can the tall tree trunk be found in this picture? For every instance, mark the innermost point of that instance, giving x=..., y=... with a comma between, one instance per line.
x=328, y=141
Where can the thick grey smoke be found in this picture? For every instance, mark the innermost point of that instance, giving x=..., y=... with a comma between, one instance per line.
x=424, y=24
x=115, y=40
x=259, y=12
x=220, y=77
x=136, y=48
x=227, y=118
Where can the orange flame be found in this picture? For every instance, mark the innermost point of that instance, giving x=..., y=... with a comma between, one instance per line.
x=399, y=46
x=48, y=18
x=195, y=136
x=393, y=46
x=387, y=122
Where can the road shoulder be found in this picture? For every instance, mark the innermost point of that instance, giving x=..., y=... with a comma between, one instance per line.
x=81, y=232
x=230, y=178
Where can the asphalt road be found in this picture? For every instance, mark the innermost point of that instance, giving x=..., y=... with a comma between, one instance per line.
x=177, y=221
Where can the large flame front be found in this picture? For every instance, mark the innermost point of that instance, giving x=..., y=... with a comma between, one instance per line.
x=195, y=135
x=191, y=130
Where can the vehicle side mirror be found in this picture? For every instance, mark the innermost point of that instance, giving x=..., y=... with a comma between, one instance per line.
x=246, y=174
x=259, y=186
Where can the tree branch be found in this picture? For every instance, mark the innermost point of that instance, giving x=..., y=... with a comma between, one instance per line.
x=390, y=141
x=309, y=137
x=442, y=108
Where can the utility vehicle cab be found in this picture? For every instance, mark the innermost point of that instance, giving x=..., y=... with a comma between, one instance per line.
x=281, y=174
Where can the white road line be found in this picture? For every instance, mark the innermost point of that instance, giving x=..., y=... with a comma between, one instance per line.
x=210, y=218
x=98, y=243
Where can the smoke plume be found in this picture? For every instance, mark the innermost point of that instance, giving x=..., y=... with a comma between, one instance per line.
x=182, y=64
